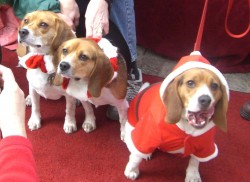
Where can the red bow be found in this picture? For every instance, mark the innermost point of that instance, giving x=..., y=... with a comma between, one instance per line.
x=113, y=61
x=36, y=62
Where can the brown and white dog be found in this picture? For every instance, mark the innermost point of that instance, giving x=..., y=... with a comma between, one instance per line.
x=42, y=32
x=178, y=116
x=95, y=73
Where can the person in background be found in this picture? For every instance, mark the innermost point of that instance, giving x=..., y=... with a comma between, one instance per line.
x=112, y=19
x=16, y=153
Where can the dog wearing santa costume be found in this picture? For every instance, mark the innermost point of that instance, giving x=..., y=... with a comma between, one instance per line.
x=179, y=115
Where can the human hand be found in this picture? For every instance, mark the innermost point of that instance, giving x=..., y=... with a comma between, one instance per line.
x=12, y=105
x=70, y=13
x=97, y=19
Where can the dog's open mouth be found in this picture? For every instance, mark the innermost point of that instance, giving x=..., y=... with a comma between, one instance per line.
x=200, y=119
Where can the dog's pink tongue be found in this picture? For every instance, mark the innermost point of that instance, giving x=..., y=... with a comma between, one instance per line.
x=196, y=118
x=200, y=118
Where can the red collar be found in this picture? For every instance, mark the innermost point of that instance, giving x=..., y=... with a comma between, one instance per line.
x=113, y=61
x=95, y=39
x=36, y=61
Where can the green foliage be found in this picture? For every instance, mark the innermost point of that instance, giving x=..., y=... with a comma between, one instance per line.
x=2, y=2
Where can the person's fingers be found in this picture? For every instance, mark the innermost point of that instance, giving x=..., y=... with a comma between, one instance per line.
x=7, y=74
x=106, y=29
x=76, y=22
x=77, y=16
x=97, y=32
x=67, y=20
x=89, y=30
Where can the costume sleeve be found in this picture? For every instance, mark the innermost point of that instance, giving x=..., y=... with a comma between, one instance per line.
x=16, y=160
x=22, y=7
x=146, y=136
x=203, y=146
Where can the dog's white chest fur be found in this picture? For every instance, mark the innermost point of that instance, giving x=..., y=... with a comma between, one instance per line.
x=79, y=89
x=39, y=81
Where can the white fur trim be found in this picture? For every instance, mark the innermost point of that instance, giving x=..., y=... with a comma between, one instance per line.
x=49, y=64
x=207, y=158
x=190, y=65
x=130, y=144
x=109, y=50
x=198, y=53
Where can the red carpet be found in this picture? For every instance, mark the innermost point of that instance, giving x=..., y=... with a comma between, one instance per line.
x=101, y=156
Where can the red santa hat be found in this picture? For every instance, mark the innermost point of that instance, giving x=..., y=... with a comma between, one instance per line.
x=194, y=60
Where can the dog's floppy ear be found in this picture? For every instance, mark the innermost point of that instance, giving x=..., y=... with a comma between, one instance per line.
x=220, y=111
x=172, y=102
x=57, y=79
x=101, y=74
x=63, y=32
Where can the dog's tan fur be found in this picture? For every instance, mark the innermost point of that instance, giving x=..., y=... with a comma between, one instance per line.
x=91, y=72
x=41, y=33
x=182, y=96
x=49, y=26
x=177, y=95
x=96, y=67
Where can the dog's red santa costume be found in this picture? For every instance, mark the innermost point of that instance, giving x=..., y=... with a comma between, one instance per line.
x=146, y=129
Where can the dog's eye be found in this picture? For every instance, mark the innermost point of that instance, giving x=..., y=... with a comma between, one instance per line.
x=214, y=86
x=43, y=25
x=64, y=51
x=25, y=21
x=83, y=57
x=191, y=84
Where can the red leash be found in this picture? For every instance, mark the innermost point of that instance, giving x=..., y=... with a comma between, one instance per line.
x=202, y=22
x=230, y=4
x=201, y=27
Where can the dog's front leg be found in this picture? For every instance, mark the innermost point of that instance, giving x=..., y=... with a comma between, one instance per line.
x=34, y=122
x=192, y=172
x=132, y=168
x=70, y=121
x=89, y=122
x=122, y=108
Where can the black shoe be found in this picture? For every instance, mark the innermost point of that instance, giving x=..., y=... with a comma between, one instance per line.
x=112, y=113
x=134, y=84
x=245, y=111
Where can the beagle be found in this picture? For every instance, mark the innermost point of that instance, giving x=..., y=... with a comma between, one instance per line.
x=178, y=115
x=41, y=32
x=93, y=72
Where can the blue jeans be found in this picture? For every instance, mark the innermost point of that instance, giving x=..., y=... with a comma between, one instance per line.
x=123, y=15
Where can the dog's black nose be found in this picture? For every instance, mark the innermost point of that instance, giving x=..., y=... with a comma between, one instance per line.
x=23, y=32
x=204, y=101
x=64, y=66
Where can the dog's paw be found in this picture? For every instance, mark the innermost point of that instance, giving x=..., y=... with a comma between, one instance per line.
x=28, y=101
x=88, y=127
x=69, y=127
x=131, y=173
x=34, y=123
x=193, y=177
